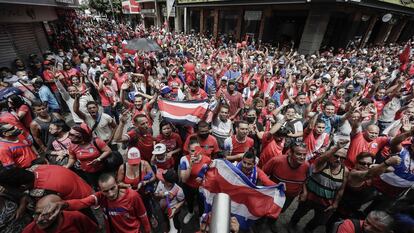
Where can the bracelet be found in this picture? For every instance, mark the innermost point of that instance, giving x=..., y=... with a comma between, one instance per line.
x=386, y=164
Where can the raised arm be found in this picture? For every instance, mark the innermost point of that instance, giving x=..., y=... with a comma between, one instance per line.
x=76, y=108
x=320, y=162
x=118, y=135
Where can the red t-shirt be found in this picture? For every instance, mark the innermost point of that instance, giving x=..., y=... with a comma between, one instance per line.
x=27, y=117
x=348, y=227
x=127, y=212
x=209, y=145
x=172, y=143
x=68, y=74
x=72, y=222
x=107, y=96
x=61, y=180
x=9, y=118
x=50, y=76
x=279, y=170
x=199, y=95
x=360, y=144
x=237, y=147
x=18, y=153
x=144, y=143
x=195, y=169
x=270, y=149
x=87, y=153
x=235, y=100
x=314, y=144
x=146, y=109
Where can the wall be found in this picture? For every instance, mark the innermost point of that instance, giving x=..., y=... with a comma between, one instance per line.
x=26, y=14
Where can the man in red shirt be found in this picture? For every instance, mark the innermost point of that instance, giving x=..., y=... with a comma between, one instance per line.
x=139, y=136
x=316, y=139
x=123, y=208
x=15, y=149
x=194, y=92
x=375, y=222
x=64, y=221
x=366, y=141
x=252, y=172
x=50, y=178
x=234, y=99
x=207, y=142
x=239, y=143
x=292, y=169
x=272, y=144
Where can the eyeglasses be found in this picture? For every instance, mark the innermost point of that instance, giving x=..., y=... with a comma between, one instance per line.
x=364, y=163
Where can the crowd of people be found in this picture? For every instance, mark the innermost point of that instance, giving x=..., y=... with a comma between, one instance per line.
x=81, y=134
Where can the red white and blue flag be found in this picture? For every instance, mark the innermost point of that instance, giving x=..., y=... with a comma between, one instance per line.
x=248, y=201
x=183, y=112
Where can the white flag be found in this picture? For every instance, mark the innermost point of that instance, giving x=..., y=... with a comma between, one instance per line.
x=170, y=4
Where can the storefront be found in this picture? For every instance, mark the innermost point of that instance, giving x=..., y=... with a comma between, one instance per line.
x=24, y=29
x=307, y=25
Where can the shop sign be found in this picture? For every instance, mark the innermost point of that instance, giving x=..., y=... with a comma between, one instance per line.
x=405, y=3
x=148, y=11
x=252, y=15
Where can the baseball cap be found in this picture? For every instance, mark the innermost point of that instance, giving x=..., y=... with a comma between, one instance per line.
x=169, y=175
x=159, y=149
x=224, y=78
x=134, y=156
x=232, y=81
x=37, y=80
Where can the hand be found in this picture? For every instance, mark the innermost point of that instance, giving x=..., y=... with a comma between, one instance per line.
x=406, y=125
x=199, y=180
x=140, y=185
x=234, y=225
x=125, y=86
x=169, y=155
x=172, y=212
x=94, y=162
x=20, y=212
x=393, y=160
x=332, y=207
x=285, y=102
x=60, y=157
x=124, y=116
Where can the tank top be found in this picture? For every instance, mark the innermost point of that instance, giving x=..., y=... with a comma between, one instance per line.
x=46, y=138
x=323, y=186
x=134, y=181
x=354, y=197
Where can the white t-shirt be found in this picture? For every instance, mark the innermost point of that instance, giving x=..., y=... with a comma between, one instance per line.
x=176, y=192
x=103, y=130
x=221, y=129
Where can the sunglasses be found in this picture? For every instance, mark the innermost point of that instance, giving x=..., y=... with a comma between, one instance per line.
x=364, y=163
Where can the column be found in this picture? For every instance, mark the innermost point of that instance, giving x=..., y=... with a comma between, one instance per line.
x=314, y=30
x=239, y=25
x=354, y=21
x=202, y=21
x=216, y=22
x=369, y=30
x=185, y=20
x=177, y=20
x=265, y=15
x=383, y=33
x=396, y=31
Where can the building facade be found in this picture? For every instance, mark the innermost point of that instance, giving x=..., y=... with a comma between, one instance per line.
x=307, y=24
x=27, y=27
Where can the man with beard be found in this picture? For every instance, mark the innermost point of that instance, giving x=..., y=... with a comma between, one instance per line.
x=102, y=125
x=15, y=150
x=64, y=221
x=139, y=136
x=237, y=145
x=194, y=92
x=123, y=208
x=138, y=107
x=206, y=141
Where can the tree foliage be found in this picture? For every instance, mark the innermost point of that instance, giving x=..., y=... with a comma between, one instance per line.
x=104, y=7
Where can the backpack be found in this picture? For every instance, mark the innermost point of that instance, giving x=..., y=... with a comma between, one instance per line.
x=113, y=161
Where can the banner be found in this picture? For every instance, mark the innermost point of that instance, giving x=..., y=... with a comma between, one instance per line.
x=130, y=7
x=170, y=4
x=183, y=112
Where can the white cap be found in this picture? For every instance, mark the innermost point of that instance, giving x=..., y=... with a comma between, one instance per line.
x=159, y=149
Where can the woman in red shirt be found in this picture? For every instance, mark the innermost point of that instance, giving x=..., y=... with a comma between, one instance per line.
x=21, y=110
x=170, y=139
x=191, y=170
x=90, y=152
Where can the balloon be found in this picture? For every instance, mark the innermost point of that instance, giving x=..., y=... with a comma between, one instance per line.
x=244, y=43
x=238, y=45
x=189, y=67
